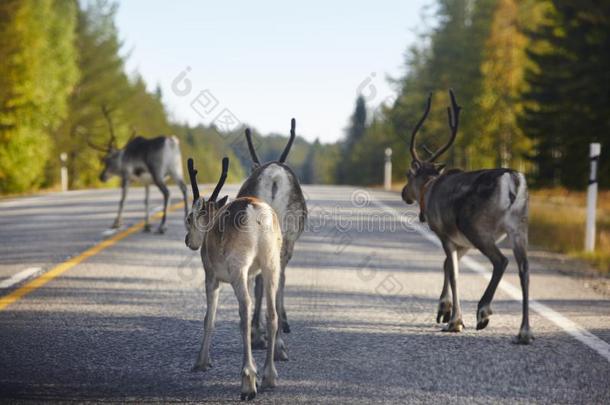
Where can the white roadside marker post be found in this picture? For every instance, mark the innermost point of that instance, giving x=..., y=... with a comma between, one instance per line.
x=387, y=172
x=63, y=157
x=594, y=152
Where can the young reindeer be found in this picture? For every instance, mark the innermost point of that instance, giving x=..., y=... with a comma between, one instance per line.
x=238, y=241
x=471, y=210
x=145, y=160
x=276, y=184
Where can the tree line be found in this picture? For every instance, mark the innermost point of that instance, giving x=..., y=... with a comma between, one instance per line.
x=61, y=63
x=532, y=76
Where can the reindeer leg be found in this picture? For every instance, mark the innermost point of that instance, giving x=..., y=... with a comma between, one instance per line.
x=258, y=333
x=118, y=222
x=281, y=353
x=487, y=245
x=282, y=308
x=146, y=207
x=499, y=262
x=248, y=373
x=158, y=179
x=455, y=323
x=519, y=242
x=271, y=285
x=212, y=290
x=287, y=248
x=444, y=304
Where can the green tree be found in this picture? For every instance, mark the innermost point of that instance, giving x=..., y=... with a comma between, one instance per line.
x=207, y=146
x=502, y=142
x=319, y=164
x=450, y=56
x=37, y=74
x=103, y=82
x=347, y=168
x=566, y=104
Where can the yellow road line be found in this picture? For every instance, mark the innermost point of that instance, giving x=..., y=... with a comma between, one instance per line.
x=68, y=264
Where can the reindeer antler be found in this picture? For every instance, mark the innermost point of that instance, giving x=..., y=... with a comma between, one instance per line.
x=427, y=149
x=221, y=181
x=253, y=154
x=453, y=114
x=293, y=124
x=96, y=147
x=193, y=176
x=417, y=127
x=106, y=113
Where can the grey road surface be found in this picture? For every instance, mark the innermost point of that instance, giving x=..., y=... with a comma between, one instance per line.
x=362, y=290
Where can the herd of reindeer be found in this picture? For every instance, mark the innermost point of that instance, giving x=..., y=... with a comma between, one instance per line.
x=248, y=241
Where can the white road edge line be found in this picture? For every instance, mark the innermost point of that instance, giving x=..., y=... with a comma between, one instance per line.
x=19, y=277
x=572, y=328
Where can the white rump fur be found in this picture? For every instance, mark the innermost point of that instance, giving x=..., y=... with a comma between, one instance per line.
x=276, y=174
x=176, y=163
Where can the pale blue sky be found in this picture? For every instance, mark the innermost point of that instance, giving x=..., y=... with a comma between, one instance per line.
x=268, y=61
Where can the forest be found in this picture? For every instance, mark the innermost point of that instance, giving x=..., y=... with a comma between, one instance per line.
x=532, y=77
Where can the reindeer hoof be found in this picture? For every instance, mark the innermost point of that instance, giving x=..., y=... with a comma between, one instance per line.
x=454, y=326
x=248, y=396
x=259, y=342
x=147, y=228
x=281, y=355
x=249, y=385
x=483, y=317
x=269, y=380
x=444, y=312
x=285, y=327
x=161, y=229
x=525, y=337
x=281, y=352
x=117, y=224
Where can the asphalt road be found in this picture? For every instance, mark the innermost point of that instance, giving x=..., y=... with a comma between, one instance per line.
x=125, y=324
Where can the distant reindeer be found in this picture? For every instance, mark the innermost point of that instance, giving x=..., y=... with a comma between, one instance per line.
x=471, y=210
x=276, y=184
x=144, y=160
x=238, y=241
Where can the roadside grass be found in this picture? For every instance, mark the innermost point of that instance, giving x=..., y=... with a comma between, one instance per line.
x=557, y=223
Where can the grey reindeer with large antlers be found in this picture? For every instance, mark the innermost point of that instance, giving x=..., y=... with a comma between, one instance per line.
x=275, y=183
x=238, y=240
x=147, y=161
x=468, y=210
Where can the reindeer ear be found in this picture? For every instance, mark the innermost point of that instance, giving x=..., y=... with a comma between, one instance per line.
x=440, y=167
x=415, y=165
x=222, y=201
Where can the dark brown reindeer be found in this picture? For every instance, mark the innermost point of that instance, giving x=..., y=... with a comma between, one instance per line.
x=144, y=160
x=469, y=210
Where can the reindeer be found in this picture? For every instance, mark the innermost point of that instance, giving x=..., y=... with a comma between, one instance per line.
x=276, y=184
x=238, y=241
x=145, y=160
x=469, y=210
